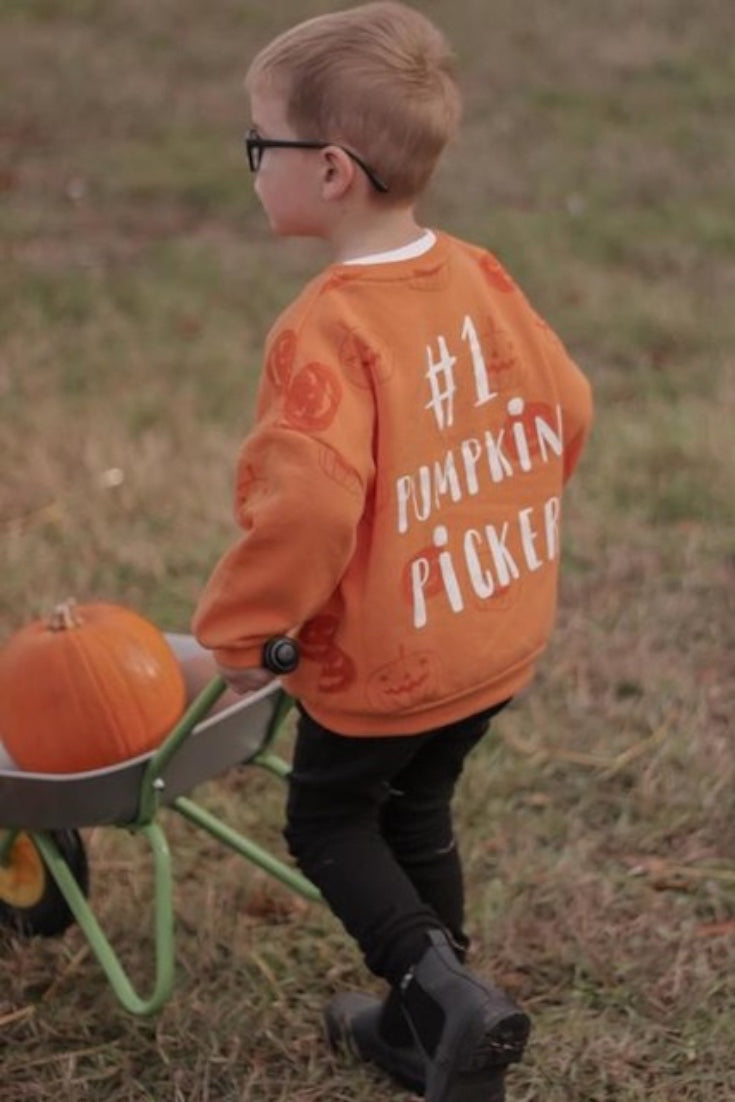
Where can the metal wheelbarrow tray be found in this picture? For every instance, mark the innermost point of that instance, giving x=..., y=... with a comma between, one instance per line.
x=41, y=814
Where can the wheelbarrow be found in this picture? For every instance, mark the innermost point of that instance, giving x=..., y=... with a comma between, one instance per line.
x=44, y=877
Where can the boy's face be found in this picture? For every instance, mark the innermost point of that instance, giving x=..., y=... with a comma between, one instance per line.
x=288, y=181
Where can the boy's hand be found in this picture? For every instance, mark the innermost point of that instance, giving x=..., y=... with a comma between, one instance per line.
x=245, y=680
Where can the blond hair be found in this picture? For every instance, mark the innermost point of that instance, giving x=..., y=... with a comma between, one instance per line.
x=378, y=78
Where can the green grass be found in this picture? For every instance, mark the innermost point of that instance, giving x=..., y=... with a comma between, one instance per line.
x=137, y=283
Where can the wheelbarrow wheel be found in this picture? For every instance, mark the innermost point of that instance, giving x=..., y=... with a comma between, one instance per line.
x=30, y=900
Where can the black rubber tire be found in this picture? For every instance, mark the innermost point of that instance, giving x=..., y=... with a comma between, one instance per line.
x=50, y=914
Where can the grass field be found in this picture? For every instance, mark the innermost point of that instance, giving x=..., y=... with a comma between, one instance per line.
x=137, y=282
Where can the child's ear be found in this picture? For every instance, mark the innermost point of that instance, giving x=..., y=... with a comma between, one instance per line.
x=338, y=172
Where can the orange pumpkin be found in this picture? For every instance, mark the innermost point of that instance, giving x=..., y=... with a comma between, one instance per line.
x=92, y=686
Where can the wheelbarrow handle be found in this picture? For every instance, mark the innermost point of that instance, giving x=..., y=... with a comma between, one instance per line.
x=280, y=654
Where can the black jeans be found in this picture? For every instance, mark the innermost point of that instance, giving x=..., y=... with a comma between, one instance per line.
x=369, y=822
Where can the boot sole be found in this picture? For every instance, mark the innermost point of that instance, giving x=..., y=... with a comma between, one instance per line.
x=475, y=1070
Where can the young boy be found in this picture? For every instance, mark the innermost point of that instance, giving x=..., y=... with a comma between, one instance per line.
x=399, y=498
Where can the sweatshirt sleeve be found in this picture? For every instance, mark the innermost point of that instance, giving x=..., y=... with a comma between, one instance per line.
x=302, y=479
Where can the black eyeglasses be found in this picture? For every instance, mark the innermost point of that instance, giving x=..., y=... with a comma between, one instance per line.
x=255, y=145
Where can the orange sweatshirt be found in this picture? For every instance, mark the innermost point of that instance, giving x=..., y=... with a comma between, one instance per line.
x=399, y=497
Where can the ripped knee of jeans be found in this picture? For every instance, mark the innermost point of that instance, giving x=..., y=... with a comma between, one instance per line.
x=414, y=855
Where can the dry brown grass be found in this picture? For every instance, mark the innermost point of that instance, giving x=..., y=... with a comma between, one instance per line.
x=137, y=283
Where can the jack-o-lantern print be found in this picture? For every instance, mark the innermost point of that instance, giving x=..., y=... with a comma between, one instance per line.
x=312, y=398
x=363, y=360
x=404, y=682
x=337, y=672
x=281, y=357
x=316, y=637
x=496, y=274
x=316, y=641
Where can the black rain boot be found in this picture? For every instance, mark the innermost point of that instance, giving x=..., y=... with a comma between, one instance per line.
x=468, y=1030
x=377, y=1033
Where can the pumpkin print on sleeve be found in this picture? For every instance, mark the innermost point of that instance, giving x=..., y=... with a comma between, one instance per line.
x=280, y=360
x=336, y=668
x=337, y=672
x=317, y=637
x=404, y=682
x=312, y=398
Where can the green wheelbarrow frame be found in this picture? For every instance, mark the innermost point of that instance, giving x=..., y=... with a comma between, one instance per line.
x=152, y=794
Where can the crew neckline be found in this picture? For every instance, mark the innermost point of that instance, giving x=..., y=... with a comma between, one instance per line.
x=414, y=249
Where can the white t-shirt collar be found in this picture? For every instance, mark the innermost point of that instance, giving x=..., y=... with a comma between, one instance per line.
x=406, y=252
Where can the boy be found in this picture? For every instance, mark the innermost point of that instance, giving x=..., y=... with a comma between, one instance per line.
x=399, y=499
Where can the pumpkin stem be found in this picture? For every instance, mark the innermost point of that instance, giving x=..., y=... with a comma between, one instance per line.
x=65, y=616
